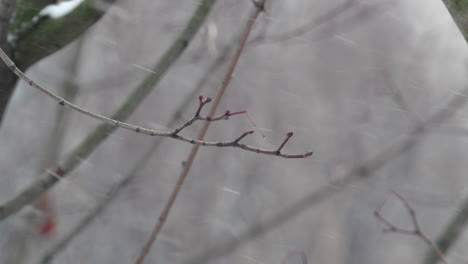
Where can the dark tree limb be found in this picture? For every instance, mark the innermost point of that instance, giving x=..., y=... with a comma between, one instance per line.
x=459, y=11
x=34, y=39
x=7, y=78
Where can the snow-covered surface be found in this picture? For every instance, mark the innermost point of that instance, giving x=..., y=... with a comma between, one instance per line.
x=61, y=9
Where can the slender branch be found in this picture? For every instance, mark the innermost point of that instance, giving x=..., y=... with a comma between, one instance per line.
x=61, y=101
x=352, y=177
x=415, y=231
x=288, y=136
x=101, y=132
x=167, y=208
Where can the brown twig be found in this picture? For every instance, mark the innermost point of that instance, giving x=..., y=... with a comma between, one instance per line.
x=415, y=231
x=259, y=6
x=61, y=101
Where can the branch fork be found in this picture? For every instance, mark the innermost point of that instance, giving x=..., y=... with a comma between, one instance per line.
x=234, y=143
x=197, y=115
x=415, y=231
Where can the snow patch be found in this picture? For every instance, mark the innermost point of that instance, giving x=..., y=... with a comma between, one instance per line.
x=61, y=9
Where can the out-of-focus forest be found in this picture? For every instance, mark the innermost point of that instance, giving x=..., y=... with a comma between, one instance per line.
x=375, y=88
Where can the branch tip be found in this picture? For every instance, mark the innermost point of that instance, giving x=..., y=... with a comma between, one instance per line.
x=288, y=136
x=235, y=113
x=243, y=136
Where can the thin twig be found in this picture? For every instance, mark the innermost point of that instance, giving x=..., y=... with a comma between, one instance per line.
x=167, y=208
x=102, y=131
x=174, y=134
x=415, y=231
x=352, y=177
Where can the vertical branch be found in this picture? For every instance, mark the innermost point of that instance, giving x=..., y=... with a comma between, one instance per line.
x=167, y=208
x=415, y=231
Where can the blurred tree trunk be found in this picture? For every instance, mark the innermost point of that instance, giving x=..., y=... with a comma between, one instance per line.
x=7, y=78
x=29, y=38
x=459, y=11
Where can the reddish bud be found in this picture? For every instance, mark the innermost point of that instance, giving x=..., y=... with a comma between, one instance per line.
x=250, y=132
x=208, y=99
x=235, y=113
x=308, y=154
x=289, y=134
x=200, y=98
x=48, y=227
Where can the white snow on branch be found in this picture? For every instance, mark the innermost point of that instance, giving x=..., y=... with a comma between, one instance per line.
x=61, y=9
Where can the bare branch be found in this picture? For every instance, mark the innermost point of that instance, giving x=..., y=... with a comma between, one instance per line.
x=415, y=231
x=227, y=79
x=61, y=101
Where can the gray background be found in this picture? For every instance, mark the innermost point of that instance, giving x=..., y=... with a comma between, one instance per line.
x=334, y=87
